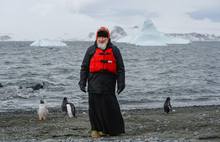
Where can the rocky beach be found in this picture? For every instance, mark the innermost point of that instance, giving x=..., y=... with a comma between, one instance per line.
x=195, y=123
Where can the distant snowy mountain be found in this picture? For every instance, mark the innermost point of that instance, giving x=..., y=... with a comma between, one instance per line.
x=117, y=33
x=48, y=42
x=5, y=38
x=147, y=34
x=91, y=35
x=195, y=36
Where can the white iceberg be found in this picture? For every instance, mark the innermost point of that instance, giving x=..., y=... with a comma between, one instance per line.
x=148, y=35
x=48, y=42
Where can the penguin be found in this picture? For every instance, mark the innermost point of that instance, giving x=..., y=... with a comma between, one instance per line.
x=68, y=108
x=42, y=111
x=167, y=105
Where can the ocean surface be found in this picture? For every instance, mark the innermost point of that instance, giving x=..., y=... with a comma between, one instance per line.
x=189, y=74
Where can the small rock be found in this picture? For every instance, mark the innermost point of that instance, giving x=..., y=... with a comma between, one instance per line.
x=195, y=133
x=141, y=126
x=204, y=114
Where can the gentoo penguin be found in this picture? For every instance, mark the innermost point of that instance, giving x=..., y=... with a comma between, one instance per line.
x=68, y=108
x=167, y=106
x=42, y=111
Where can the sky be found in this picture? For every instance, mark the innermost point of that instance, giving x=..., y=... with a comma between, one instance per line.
x=72, y=19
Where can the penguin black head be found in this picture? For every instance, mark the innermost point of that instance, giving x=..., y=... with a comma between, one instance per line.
x=41, y=102
x=63, y=106
x=168, y=99
x=65, y=99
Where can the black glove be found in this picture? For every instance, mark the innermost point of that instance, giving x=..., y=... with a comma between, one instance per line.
x=82, y=88
x=120, y=89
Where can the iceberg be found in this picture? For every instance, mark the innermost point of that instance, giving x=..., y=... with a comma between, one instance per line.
x=148, y=35
x=48, y=42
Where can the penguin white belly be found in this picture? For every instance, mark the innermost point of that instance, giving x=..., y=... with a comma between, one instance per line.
x=42, y=112
x=69, y=110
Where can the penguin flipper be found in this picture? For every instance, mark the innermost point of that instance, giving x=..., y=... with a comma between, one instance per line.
x=73, y=109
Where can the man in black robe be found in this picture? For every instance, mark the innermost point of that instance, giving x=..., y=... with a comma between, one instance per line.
x=102, y=67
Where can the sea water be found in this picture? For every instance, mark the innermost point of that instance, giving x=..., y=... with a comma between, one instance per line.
x=189, y=74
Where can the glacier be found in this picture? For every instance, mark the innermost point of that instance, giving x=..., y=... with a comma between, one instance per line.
x=48, y=42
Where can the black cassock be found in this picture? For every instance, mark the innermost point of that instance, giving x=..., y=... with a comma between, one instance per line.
x=105, y=114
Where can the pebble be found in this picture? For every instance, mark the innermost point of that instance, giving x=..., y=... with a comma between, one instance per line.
x=195, y=133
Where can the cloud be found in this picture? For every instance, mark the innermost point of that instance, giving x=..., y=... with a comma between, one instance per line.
x=212, y=14
x=31, y=19
x=169, y=16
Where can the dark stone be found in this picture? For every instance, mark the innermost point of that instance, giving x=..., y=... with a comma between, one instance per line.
x=38, y=86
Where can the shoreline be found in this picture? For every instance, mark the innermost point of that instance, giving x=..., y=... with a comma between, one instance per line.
x=82, y=109
x=191, y=123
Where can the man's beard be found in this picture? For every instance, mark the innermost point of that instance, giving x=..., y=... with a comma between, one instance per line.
x=102, y=45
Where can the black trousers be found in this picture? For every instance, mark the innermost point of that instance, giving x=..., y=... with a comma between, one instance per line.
x=105, y=114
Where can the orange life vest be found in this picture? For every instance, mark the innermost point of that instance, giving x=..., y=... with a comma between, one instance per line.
x=103, y=60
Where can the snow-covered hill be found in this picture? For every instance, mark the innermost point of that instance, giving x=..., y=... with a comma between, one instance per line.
x=5, y=37
x=148, y=34
x=145, y=34
x=118, y=33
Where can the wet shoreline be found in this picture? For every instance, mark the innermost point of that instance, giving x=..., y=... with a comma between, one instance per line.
x=195, y=123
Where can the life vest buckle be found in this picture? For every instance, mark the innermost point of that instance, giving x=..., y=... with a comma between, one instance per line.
x=104, y=61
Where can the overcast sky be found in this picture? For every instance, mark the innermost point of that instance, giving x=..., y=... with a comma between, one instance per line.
x=35, y=19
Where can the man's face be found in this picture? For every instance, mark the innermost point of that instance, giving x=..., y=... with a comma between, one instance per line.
x=102, y=40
